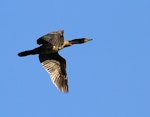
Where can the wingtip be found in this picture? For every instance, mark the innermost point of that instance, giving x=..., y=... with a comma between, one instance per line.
x=64, y=89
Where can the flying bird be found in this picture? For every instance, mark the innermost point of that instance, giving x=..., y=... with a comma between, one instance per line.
x=52, y=62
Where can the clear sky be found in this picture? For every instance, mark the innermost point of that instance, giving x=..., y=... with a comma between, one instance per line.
x=108, y=77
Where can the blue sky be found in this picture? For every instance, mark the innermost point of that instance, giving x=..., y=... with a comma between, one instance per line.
x=108, y=77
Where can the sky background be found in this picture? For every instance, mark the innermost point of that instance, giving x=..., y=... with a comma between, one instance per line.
x=108, y=77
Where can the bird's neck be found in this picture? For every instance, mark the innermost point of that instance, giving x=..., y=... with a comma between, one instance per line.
x=74, y=41
x=66, y=44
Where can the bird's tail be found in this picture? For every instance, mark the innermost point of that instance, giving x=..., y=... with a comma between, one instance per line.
x=29, y=52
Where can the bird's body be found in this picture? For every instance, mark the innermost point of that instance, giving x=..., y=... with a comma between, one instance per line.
x=53, y=63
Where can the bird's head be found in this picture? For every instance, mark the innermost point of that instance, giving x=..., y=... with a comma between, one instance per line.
x=86, y=40
x=79, y=41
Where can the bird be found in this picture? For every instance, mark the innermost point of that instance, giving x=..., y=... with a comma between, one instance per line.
x=53, y=63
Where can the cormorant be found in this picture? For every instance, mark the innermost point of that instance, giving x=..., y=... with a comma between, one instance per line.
x=53, y=63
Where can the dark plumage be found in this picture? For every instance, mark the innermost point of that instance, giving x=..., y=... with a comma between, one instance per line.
x=53, y=63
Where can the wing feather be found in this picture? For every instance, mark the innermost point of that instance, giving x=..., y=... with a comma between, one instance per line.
x=55, y=65
x=55, y=38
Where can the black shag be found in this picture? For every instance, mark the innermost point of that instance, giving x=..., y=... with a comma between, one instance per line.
x=53, y=63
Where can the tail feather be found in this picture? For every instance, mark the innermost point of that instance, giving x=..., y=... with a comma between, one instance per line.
x=28, y=52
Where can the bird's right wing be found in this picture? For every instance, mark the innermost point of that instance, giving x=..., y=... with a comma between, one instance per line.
x=55, y=38
x=55, y=65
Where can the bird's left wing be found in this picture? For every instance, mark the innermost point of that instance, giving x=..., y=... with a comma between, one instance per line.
x=55, y=38
x=55, y=65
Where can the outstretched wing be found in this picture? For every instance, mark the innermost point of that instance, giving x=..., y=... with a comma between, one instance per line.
x=55, y=65
x=55, y=38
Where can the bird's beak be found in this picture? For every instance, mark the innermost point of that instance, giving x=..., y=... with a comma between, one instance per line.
x=90, y=39
x=86, y=40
